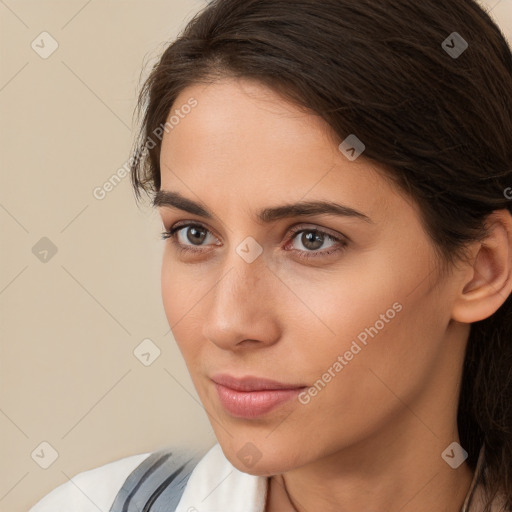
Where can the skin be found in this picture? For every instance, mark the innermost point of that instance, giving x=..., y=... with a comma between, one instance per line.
x=372, y=438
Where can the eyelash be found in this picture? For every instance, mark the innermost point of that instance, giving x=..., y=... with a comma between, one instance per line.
x=172, y=235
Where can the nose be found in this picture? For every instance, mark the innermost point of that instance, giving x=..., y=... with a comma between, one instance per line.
x=243, y=312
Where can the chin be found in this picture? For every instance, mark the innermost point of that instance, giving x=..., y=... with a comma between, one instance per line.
x=263, y=461
x=259, y=469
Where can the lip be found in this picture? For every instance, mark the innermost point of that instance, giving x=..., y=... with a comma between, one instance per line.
x=250, y=396
x=251, y=383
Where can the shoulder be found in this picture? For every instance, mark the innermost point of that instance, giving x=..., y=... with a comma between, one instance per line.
x=170, y=479
x=90, y=491
x=158, y=482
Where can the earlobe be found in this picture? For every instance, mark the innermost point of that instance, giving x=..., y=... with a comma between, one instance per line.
x=490, y=281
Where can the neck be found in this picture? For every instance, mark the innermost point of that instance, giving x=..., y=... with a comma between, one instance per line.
x=405, y=474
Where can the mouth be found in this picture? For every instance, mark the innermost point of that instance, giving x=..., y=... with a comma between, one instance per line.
x=251, y=397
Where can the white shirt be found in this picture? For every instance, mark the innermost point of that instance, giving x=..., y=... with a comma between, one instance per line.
x=215, y=485
x=90, y=491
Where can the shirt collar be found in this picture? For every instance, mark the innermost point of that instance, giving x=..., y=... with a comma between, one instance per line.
x=216, y=485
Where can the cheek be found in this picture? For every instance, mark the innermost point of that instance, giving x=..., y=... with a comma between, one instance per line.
x=388, y=338
x=170, y=291
x=181, y=296
x=332, y=310
x=181, y=288
x=362, y=398
x=375, y=364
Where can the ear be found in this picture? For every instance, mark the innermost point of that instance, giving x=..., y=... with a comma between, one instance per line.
x=490, y=273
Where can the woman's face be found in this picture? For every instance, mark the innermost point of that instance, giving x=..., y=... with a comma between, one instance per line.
x=348, y=306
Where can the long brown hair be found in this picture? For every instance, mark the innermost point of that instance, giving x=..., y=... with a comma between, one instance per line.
x=433, y=108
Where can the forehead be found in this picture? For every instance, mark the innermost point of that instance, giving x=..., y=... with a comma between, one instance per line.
x=243, y=137
x=245, y=115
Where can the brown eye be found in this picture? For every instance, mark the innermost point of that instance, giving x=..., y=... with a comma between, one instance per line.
x=195, y=234
x=188, y=237
x=312, y=240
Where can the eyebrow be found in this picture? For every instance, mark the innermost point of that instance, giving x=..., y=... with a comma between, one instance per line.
x=168, y=199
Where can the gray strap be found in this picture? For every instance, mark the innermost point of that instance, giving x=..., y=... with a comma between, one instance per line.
x=157, y=484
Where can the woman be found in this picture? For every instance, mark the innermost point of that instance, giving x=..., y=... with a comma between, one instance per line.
x=334, y=179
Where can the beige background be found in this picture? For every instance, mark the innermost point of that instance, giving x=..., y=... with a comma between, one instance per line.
x=70, y=323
